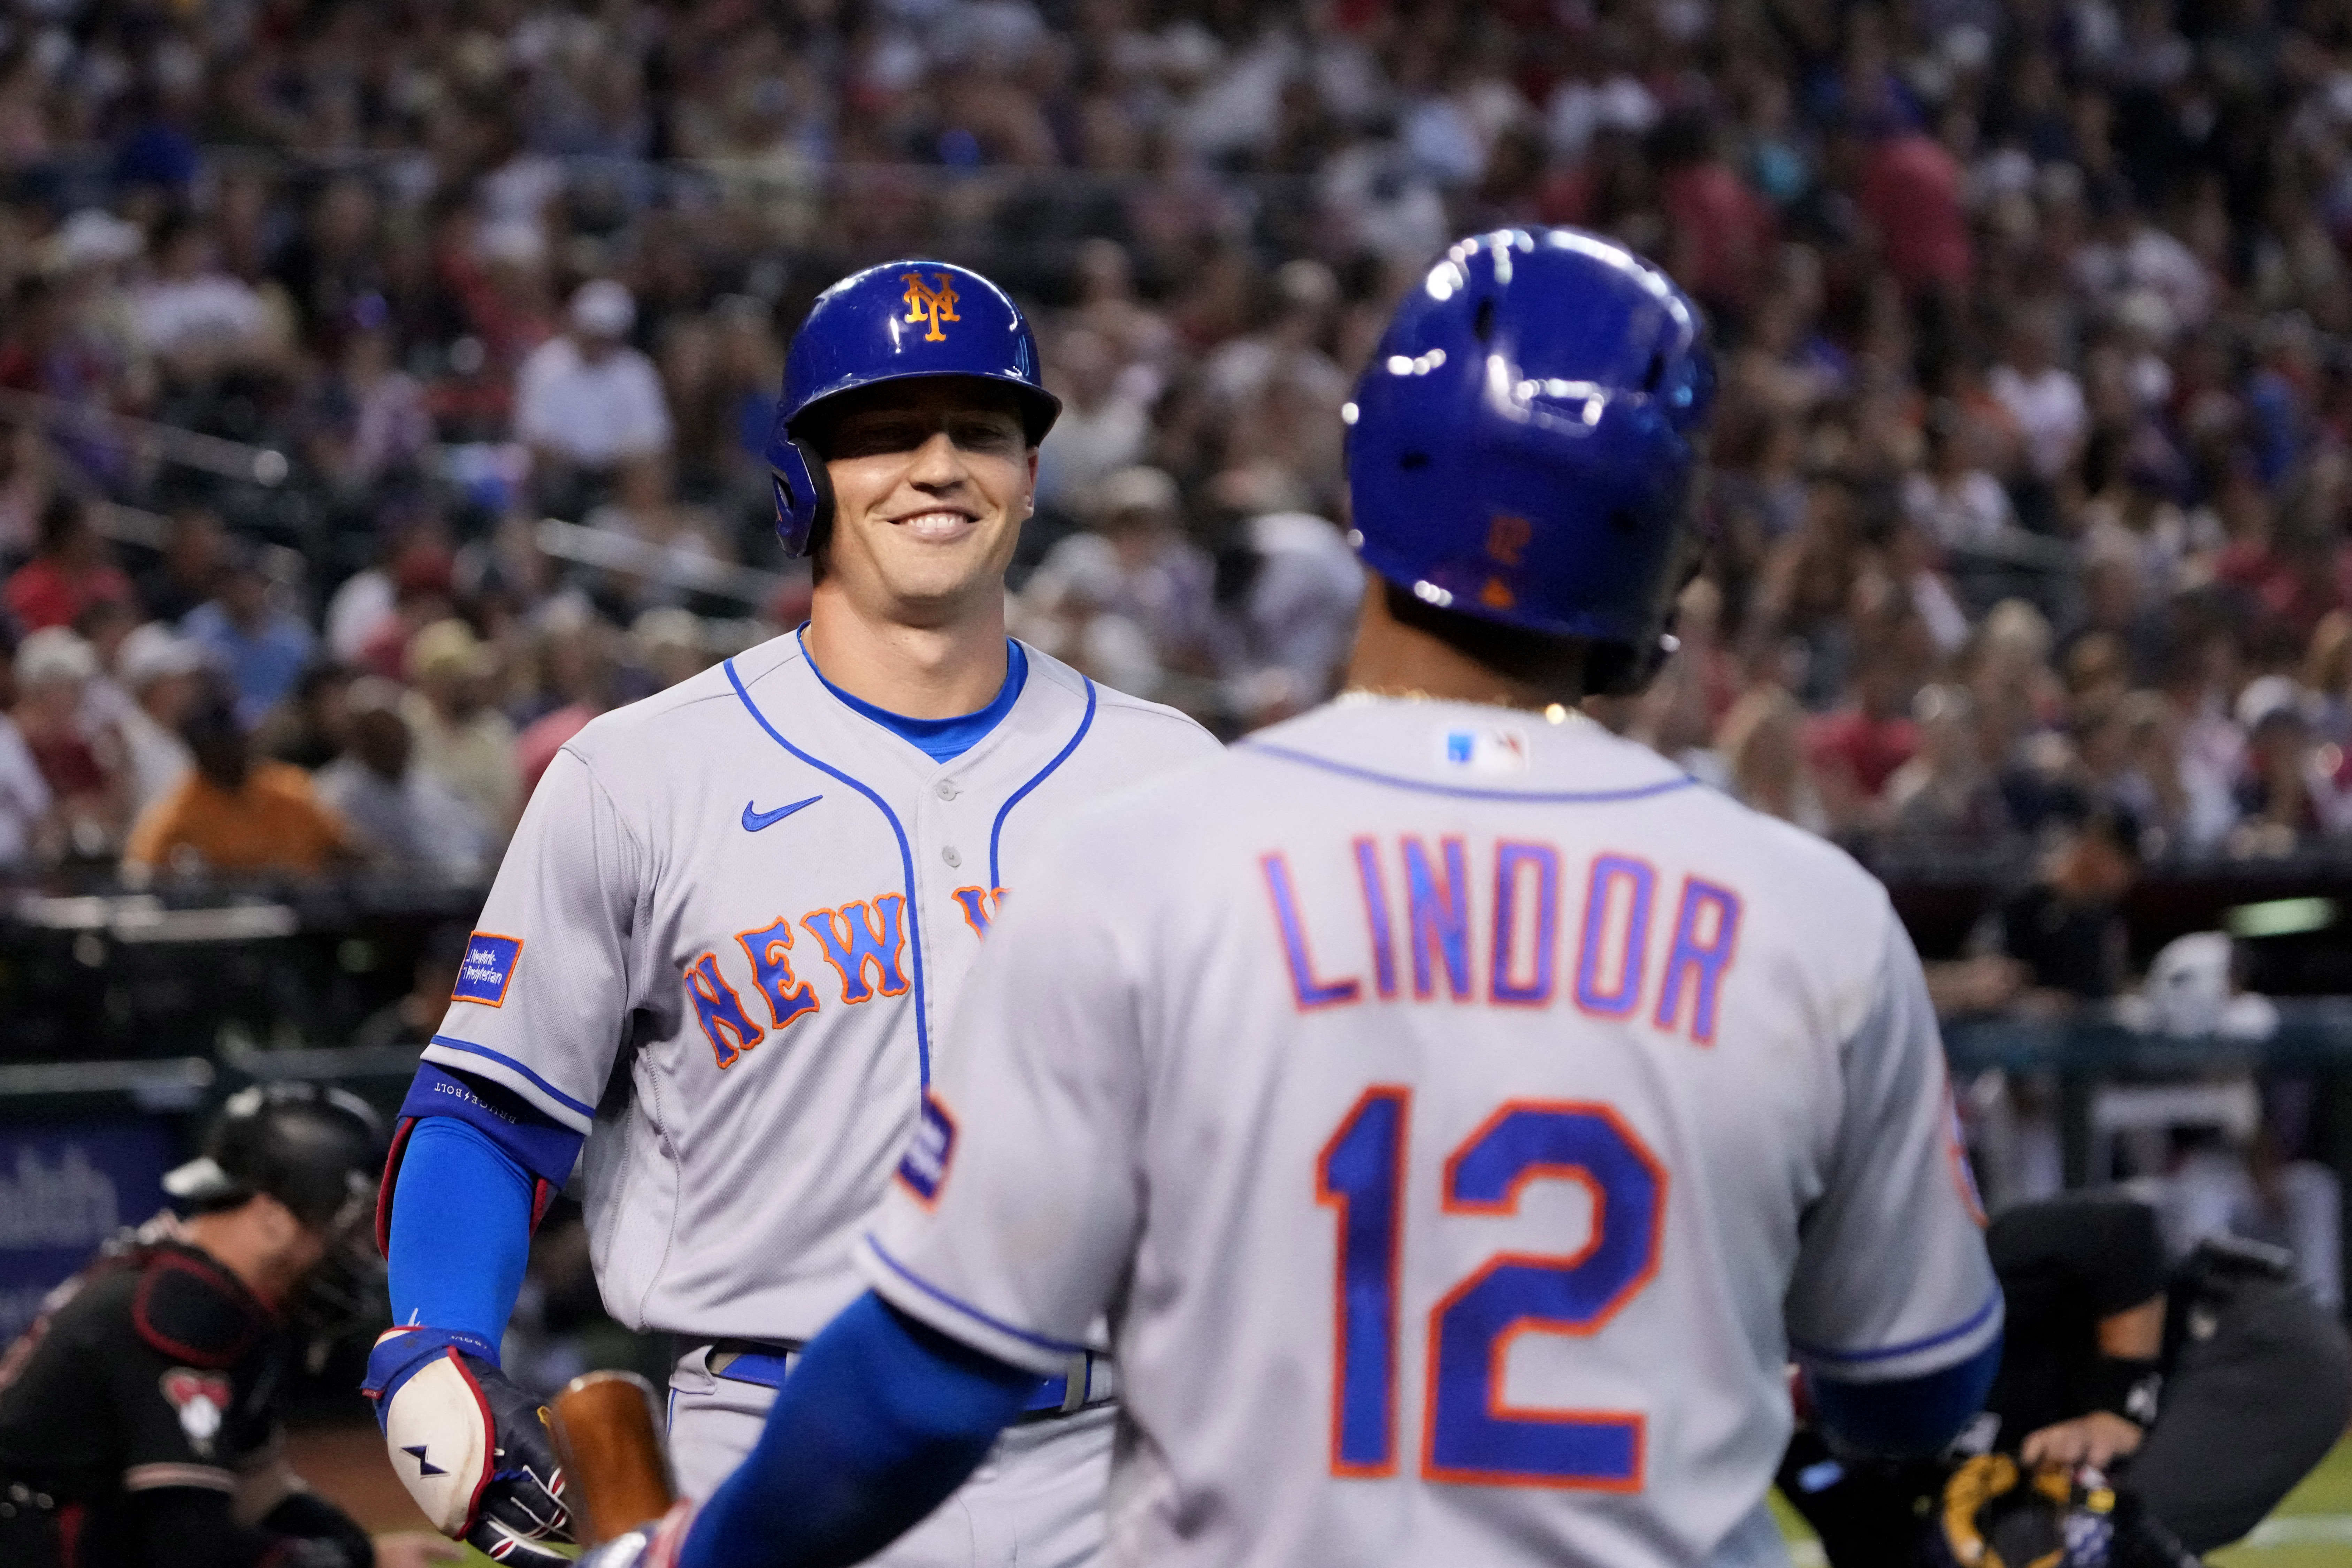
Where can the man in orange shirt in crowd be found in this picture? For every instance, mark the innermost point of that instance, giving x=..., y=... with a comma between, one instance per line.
x=233, y=812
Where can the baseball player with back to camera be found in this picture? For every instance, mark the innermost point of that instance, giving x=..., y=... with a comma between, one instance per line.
x=1463, y=1115
x=720, y=949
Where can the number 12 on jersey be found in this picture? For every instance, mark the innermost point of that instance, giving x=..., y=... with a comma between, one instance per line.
x=1471, y=1434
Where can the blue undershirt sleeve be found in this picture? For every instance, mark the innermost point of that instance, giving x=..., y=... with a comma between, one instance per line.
x=461, y=1217
x=1905, y=1418
x=534, y=1141
x=878, y=1422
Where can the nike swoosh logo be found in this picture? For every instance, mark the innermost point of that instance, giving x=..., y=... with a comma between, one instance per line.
x=755, y=819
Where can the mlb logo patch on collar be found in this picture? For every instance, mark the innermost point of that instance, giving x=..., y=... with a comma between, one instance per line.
x=1484, y=748
x=488, y=970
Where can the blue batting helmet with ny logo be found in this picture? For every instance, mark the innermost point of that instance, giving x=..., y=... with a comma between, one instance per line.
x=902, y=320
x=1524, y=444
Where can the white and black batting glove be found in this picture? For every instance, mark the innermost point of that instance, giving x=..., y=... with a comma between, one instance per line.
x=472, y=1449
x=654, y=1544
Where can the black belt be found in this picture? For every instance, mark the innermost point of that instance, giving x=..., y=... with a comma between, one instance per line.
x=1089, y=1380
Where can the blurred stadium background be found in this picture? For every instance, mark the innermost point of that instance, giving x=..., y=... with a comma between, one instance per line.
x=395, y=374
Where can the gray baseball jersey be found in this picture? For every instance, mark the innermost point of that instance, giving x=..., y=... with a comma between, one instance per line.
x=721, y=945
x=1463, y=1118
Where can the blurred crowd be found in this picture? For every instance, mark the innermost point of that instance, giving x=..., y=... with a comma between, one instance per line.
x=2031, y=469
x=2026, y=541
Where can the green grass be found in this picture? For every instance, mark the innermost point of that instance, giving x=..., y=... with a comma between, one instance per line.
x=2326, y=1495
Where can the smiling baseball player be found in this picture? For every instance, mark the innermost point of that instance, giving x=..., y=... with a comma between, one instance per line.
x=722, y=944
x=1461, y=1113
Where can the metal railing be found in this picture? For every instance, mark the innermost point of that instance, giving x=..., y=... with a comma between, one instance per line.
x=2313, y=1033
x=144, y=439
x=665, y=565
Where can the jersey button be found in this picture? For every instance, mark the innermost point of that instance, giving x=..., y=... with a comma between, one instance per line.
x=946, y=791
x=948, y=854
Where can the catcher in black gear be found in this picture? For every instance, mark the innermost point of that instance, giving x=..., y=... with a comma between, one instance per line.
x=136, y=1421
x=2142, y=1416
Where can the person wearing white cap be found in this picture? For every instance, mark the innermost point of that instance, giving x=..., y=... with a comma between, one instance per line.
x=2292, y=789
x=91, y=237
x=81, y=763
x=24, y=798
x=586, y=400
x=462, y=738
x=1130, y=598
x=402, y=817
x=163, y=673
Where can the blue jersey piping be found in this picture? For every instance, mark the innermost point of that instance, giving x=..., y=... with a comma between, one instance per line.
x=996, y=833
x=1061, y=1347
x=913, y=913
x=504, y=1060
x=1465, y=792
x=969, y=728
x=1888, y=1352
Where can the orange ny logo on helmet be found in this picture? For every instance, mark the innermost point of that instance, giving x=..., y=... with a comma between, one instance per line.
x=1506, y=542
x=930, y=306
x=1507, y=537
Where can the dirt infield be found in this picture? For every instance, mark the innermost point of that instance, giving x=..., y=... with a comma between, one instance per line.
x=345, y=1464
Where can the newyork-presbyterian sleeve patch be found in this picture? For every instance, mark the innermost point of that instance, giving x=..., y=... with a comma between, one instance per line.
x=924, y=1168
x=488, y=969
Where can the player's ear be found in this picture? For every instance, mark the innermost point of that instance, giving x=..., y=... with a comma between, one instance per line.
x=279, y=1230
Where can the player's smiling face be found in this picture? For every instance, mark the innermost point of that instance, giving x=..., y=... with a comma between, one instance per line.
x=930, y=482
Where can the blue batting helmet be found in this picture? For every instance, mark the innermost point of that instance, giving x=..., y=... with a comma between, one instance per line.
x=898, y=321
x=1525, y=443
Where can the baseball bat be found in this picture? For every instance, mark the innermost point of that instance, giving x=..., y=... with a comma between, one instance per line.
x=611, y=1445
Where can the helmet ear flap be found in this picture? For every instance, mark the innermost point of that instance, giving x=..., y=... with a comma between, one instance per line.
x=1623, y=669
x=1620, y=670
x=804, y=495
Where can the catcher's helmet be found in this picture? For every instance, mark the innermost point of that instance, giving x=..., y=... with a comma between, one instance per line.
x=897, y=322
x=316, y=1150
x=1524, y=445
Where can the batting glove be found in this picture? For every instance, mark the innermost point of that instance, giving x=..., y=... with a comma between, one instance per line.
x=472, y=1449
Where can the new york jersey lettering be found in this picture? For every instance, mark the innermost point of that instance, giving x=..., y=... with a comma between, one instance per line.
x=720, y=1011
x=978, y=906
x=859, y=937
x=771, y=952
